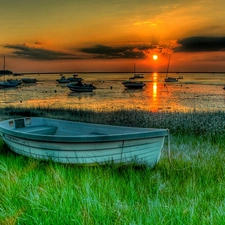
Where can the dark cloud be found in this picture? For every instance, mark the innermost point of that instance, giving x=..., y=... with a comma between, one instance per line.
x=140, y=51
x=25, y=51
x=200, y=44
x=125, y=52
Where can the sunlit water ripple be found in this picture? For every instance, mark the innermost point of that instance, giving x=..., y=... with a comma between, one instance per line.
x=196, y=91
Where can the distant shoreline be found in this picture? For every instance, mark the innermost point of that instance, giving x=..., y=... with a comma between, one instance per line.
x=70, y=72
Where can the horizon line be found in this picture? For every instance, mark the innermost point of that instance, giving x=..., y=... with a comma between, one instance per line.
x=69, y=72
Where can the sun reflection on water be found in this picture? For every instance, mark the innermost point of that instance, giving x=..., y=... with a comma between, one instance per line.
x=154, y=87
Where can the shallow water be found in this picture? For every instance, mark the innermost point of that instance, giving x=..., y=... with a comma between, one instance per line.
x=196, y=91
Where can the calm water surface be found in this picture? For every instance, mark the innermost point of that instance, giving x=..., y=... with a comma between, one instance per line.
x=197, y=91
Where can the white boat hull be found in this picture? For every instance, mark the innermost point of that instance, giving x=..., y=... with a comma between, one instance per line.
x=92, y=148
x=84, y=88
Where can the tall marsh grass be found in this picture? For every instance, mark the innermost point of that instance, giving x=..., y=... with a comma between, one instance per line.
x=190, y=191
x=208, y=123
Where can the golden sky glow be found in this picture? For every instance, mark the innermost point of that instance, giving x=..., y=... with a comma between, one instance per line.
x=99, y=35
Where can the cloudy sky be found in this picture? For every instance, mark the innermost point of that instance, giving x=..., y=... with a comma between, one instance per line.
x=100, y=35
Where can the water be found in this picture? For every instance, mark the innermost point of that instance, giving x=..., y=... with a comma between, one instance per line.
x=197, y=91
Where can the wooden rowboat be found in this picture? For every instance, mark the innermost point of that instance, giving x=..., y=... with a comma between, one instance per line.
x=82, y=143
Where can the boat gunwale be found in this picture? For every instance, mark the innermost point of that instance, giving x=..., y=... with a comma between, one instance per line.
x=143, y=133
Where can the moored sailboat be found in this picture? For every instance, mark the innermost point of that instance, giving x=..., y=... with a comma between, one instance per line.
x=169, y=79
x=5, y=83
x=134, y=84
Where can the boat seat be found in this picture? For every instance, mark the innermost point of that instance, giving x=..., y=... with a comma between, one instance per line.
x=49, y=130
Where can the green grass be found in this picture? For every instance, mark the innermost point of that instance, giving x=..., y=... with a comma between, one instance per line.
x=190, y=191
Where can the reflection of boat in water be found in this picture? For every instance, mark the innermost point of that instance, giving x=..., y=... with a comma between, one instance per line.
x=29, y=80
x=82, y=143
x=169, y=79
x=133, y=84
x=80, y=87
x=75, y=78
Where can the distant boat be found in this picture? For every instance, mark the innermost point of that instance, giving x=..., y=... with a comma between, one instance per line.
x=62, y=80
x=136, y=75
x=133, y=84
x=29, y=80
x=17, y=74
x=80, y=87
x=169, y=79
x=75, y=78
x=15, y=81
x=5, y=72
x=82, y=143
x=7, y=84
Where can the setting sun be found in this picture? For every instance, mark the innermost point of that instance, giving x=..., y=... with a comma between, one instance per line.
x=155, y=57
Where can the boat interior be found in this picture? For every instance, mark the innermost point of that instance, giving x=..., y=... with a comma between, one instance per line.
x=45, y=126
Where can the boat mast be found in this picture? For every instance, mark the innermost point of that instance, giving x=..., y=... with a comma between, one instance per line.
x=4, y=68
x=168, y=66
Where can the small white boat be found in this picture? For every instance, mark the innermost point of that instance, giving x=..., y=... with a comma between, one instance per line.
x=133, y=84
x=82, y=143
x=137, y=75
x=62, y=80
x=169, y=79
x=75, y=78
x=80, y=87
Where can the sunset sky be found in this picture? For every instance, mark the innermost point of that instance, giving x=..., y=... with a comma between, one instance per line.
x=100, y=35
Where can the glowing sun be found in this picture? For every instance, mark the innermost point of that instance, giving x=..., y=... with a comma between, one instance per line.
x=155, y=57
